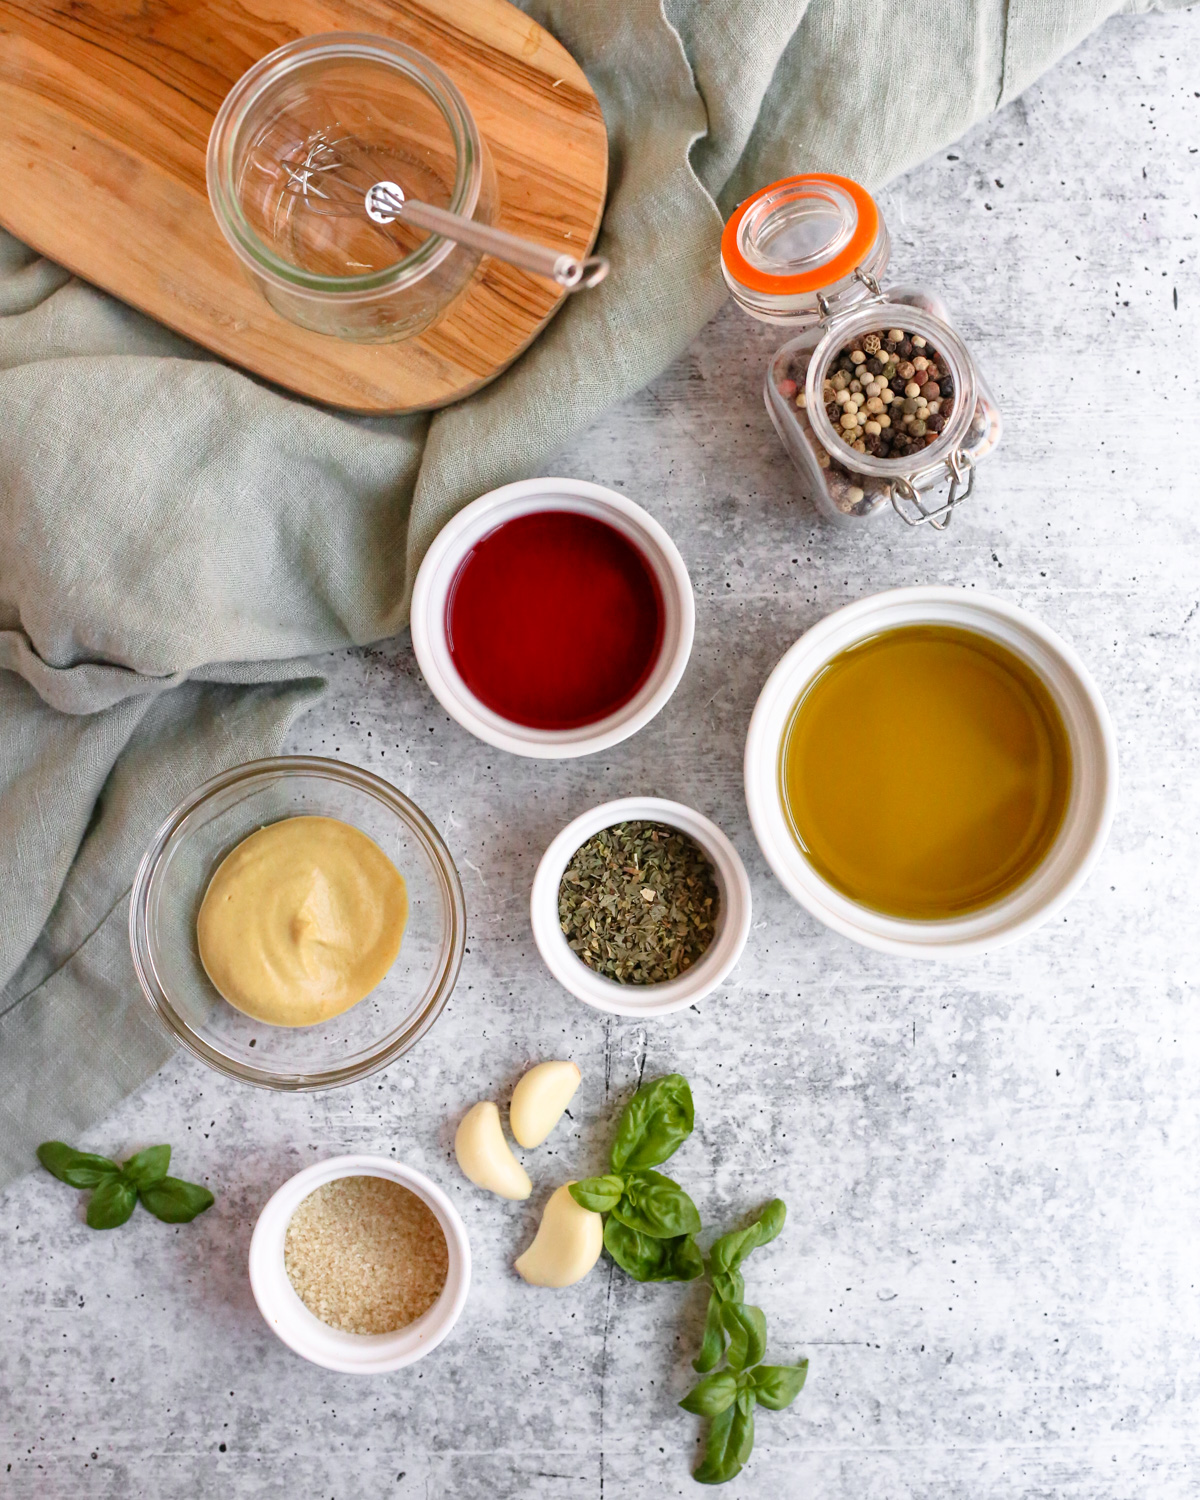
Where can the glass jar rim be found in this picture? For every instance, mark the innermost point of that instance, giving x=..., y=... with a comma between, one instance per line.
x=774, y=266
x=947, y=343
x=267, y=74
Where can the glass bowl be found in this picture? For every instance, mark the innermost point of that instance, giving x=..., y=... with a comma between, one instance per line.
x=174, y=875
x=294, y=147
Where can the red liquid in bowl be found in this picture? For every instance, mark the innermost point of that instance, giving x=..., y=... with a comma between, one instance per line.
x=554, y=620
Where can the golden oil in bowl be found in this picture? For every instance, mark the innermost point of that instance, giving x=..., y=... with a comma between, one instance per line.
x=925, y=772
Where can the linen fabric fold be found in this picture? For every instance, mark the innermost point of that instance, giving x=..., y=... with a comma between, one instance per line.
x=176, y=538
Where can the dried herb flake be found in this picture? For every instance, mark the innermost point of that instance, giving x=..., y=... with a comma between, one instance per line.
x=639, y=902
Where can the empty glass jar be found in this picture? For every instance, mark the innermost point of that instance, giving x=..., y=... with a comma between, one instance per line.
x=294, y=148
x=878, y=401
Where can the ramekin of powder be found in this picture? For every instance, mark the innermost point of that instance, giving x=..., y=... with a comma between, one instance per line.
x=365, y=1255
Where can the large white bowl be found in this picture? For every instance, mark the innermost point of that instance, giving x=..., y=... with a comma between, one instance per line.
x=1089, y=811
x=436, y=575
x=301, y=1330
x=710, y=970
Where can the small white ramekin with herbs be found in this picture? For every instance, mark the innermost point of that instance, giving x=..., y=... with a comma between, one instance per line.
x=614, y=904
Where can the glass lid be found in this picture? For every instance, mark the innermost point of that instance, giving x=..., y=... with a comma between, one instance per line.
x=801, y=239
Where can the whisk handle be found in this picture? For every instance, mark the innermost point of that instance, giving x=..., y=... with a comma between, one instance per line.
x=569, y=271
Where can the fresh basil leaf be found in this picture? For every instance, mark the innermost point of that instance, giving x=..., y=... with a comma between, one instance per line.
x=729, y=1286
x=722, y=1255
x=742, y=1437
x=731, y=1249
x=713, y=1345
x=654, y=1124
x=713, y=1394
x=712, y=1469
x=79, y=1169
x=649, y=1259
x=684, y=1258
x=777, y=1386
x=112, y=1203
x=176, y=1202
x=747, y=1330
x=771, y=1221
x=730, y=1439
x=637, y=1254
x=599, y=1194
x=654, y=1205
x=148, y=1166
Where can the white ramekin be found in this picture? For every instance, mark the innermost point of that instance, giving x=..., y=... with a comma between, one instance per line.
x=733, y=917
x=354, y=1353
x=436, y=577
x=1089, y=811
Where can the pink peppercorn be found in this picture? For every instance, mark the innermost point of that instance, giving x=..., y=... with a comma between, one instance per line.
x=787, y=389
x=931, y=390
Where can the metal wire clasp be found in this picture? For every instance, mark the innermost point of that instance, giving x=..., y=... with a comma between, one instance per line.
x=867, y=280
x=961, y=469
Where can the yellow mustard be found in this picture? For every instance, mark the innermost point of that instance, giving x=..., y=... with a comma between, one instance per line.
x=301, y=921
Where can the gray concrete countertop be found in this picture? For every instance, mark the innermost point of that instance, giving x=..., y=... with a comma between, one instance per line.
x=990, y=1256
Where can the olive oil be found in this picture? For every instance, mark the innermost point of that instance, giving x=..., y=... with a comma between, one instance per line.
x=925, y=772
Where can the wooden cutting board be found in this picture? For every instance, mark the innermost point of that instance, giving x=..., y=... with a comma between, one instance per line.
x=106, y=107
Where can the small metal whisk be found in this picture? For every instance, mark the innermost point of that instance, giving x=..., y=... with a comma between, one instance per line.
x=331, y=185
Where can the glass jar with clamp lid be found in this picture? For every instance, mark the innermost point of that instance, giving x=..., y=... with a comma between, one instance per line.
x=877, y=400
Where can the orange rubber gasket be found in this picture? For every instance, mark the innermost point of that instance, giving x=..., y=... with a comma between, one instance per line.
x=843, y=264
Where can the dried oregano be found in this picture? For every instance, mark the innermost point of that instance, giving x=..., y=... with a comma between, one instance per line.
x=638, y=903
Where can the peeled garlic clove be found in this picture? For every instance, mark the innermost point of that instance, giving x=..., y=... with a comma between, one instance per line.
x=484, y=1154
x=567, y=1244
x=539, y=1100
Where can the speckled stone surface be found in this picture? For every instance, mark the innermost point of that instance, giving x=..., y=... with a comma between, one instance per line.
x=991, y=1169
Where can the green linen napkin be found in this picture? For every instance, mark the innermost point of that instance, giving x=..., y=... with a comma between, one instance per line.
x=175, y=538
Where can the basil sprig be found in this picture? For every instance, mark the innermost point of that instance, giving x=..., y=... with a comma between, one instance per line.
x=652, y=1223
x=117, y=1186
x=728, y=1397
x=725, y=1280
x=650, y=1231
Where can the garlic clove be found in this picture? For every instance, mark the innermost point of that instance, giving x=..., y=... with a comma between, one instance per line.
x=484, y=1154
x=567, y=1243
x=539, y=1099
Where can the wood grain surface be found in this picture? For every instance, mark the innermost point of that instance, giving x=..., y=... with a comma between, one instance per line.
x=107, y=106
